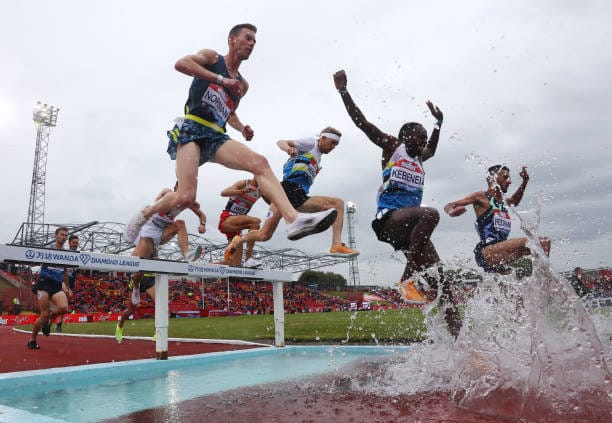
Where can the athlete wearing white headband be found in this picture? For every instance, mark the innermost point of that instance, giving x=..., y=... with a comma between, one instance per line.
x=299, y=173
x=331, y=136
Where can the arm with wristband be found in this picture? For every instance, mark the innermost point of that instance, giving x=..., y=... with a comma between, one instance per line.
x=432, y=144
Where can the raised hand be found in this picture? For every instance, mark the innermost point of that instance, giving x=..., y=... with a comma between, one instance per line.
x=435, y=111
x=340, y=80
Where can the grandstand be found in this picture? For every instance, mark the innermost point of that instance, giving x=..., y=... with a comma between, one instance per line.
x=104, y=293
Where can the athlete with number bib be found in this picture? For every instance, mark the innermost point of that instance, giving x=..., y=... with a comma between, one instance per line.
x=234, y=219
x=400, y=219
x=299, y=172
x=158, y=230
x=493, y=223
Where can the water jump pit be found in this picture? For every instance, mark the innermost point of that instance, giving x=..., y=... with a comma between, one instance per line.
x=529, y=351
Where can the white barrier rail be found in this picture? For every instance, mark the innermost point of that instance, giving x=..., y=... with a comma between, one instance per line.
x=593, y=301
x=162, y=268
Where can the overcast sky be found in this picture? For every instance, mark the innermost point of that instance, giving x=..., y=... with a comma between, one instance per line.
x=519, y=82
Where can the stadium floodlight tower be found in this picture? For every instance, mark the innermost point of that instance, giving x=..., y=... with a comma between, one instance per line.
x=45, y=118
x=351, y=208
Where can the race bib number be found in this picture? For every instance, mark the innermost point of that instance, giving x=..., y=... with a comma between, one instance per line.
x=501, y=221
x=407, y=174
x=216, y=98
x=239, y=209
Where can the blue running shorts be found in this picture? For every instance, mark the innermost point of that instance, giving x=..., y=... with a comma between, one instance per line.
x=207, y=138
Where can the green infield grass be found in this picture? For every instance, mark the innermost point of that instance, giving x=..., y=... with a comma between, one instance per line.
x=387, y=326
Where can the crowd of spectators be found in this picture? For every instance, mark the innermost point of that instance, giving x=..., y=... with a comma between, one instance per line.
x=104, y=293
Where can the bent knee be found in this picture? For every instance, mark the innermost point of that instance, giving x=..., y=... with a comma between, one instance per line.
x=338, y=204
x=185, y=198
x=259, y=165
x=432, y=215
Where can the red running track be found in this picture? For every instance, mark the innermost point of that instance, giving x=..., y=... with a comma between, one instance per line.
x=64, y=351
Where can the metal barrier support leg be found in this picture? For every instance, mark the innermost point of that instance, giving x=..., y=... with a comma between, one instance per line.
x=279, y=314
x=161, y=316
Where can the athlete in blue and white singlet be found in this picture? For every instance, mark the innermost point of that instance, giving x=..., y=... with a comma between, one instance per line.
x=400, y=220
x=403, y=182
x=302, y=169
x=493, y=224
x=299, y=173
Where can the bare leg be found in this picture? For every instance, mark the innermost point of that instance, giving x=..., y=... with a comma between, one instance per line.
x=125, y=315
x=236, y=257
x=144, y=249
x=319, y=203
x=240, y=222
x=448, y=303
x=268, y=229
x=235, y=155
x=58, y=299
x=510, y=250
x=187, y=164
x=412, y=227
x=178, y=229
x=249, y=249
x=421, y=253
x=45, y=311
x=183, y=238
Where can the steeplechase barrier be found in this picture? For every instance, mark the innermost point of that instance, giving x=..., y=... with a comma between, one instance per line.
x=34, y=256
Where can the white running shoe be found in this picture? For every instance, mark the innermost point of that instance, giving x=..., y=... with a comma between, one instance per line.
x=310, y=223
x=252, y=263
x=193, y=255
x=136, y=296
x=132, y=229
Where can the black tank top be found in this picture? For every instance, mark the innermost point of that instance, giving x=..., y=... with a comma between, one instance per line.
x=210, y=100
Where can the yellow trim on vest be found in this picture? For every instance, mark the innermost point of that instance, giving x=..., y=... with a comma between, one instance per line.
x=205, y=123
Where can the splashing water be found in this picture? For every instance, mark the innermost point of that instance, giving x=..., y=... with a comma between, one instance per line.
x=528, y=349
